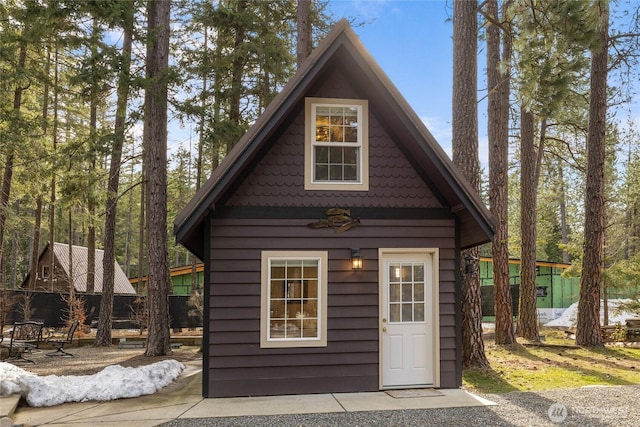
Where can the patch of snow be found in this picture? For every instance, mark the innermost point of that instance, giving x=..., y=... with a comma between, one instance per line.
x=569, y=317
x=113, y=382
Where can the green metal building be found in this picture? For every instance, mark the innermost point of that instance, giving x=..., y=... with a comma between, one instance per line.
x=181, y=279
x=555, y=291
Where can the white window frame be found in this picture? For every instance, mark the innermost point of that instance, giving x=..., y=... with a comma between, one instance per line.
x=265, y=316
x=362, y=182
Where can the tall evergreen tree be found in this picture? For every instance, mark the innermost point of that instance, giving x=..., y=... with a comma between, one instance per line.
x=5, y=190
x=530, y=161
x=465, y=156
x=155, y=144
x=588, y=332
x=498, y=71
x=103, y=333
x=550, y=48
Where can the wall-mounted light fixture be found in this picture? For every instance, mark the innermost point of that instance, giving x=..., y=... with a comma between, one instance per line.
x=356, y=259
x=470, y=267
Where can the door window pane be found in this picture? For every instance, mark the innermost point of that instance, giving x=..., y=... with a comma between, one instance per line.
x=418, y=312
x=407, y=273
x=406, y=292
x=407, y=312
x=394, y=273
x=394, y=292
x=394, y=313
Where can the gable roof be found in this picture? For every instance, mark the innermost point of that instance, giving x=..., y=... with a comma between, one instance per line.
x=342, y=44
x=121, y=284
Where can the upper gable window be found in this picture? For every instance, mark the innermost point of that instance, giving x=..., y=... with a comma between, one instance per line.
x=336, y=144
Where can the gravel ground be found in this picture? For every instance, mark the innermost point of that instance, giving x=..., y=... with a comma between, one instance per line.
x=591, y=406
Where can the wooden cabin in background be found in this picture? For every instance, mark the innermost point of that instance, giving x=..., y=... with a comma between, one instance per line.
x=74, y=264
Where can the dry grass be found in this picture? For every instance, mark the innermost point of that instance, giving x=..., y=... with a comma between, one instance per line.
x=556, y=363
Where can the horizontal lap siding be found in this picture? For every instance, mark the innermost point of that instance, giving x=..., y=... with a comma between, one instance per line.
x=349, y=362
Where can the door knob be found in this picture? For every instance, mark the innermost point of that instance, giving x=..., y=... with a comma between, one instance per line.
x=384, y=329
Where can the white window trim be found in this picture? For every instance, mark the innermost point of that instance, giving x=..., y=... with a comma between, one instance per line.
x=363, y=126
x=321, y=340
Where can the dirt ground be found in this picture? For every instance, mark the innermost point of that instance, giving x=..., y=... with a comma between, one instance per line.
x=88, y=359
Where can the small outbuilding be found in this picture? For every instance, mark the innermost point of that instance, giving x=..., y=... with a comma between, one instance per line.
x=331, y=238
x=74, y=265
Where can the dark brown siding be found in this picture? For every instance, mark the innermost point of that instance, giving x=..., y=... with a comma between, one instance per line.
x=237, y=364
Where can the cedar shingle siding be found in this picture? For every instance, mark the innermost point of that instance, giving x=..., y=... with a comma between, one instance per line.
x=278, y=177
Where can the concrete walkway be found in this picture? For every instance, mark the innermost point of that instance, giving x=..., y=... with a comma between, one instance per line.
x=183, y=400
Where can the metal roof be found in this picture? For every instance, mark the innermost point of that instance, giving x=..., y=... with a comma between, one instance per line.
x=121, y=284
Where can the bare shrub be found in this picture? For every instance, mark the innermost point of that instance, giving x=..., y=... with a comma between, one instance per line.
x=196, y=304
x=75, y=311
x=139, y=314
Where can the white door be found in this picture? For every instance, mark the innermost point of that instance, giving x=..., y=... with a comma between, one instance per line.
x=409, y=349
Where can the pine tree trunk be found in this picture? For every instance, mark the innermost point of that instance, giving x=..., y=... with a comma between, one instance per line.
x=564, y=226
x=141, y=229
x=498, y=86
x=303, y=21
x=203, y=114
x=588, y=332
x=7, y=177
x=128, y=246
x=35, y=250
x=237, y=68
x=155, y=139
x=4, y=207
x=54, y=140
x=91, y=251
x=72, y=285
x=37, y=228
x=13, y=278
x=527, y=319
x=103, y=334
x=465, y=156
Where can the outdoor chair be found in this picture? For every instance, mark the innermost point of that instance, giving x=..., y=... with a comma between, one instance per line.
x=24, y=337
x=60, y=342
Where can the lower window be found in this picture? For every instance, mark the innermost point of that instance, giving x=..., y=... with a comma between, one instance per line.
x=294, y=299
